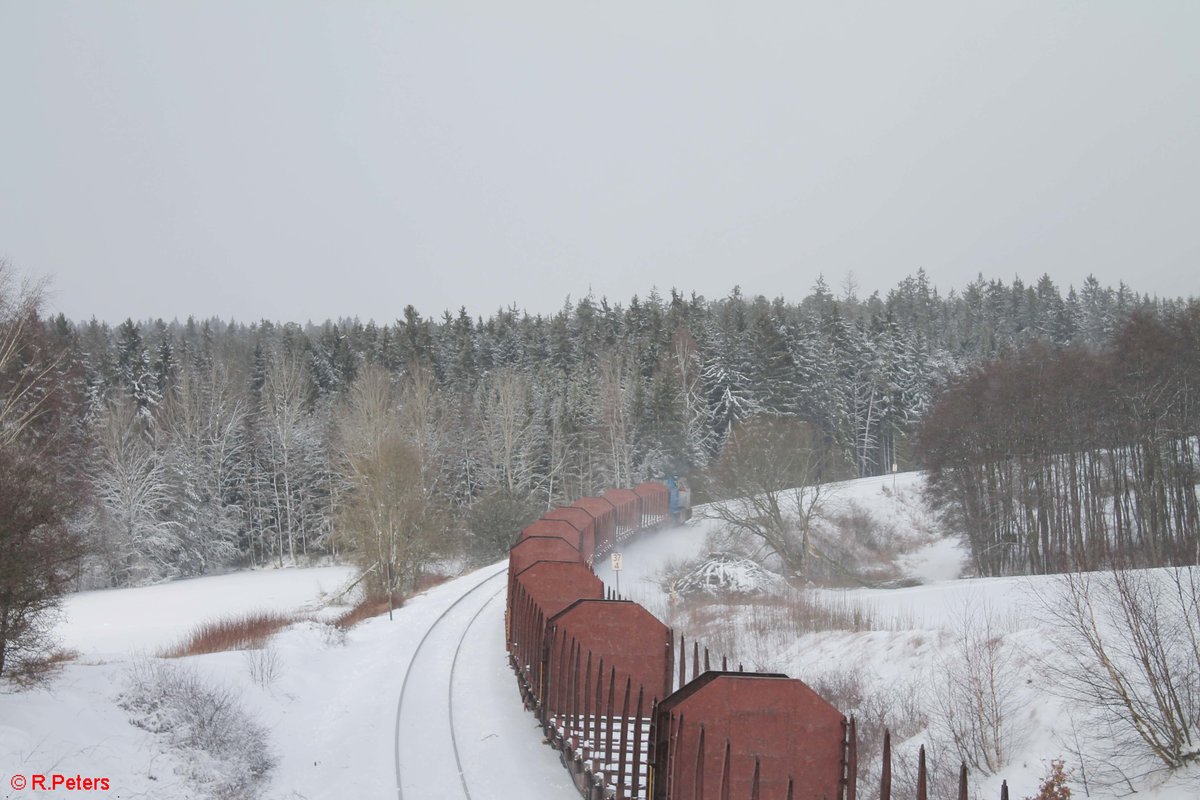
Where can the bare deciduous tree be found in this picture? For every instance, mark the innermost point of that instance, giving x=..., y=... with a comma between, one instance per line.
x=391, y=516
x=505, y=418
x=765, y=487
x=39, y=484
x=615, y=423
x=289, y=432
x=1130, y=658
x=26, y=372
x=977, y=695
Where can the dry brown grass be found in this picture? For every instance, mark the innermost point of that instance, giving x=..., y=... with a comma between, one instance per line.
x=239, y=632
x=366, y=608
x=38, y=671
x=429, y=580
x=377, y=604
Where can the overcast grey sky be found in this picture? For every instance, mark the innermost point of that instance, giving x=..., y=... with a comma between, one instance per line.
x=304, y=160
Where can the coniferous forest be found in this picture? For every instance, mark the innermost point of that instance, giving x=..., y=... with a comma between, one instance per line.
x=1059, y=424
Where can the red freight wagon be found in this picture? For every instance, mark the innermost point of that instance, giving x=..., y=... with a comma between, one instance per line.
x=656, y=501
x=539, y=592
x=583, y=522
x=605, y=518
x=555, y=527
x=795, y=734
x=528, y=551
x=628, y=508
x=592, y=644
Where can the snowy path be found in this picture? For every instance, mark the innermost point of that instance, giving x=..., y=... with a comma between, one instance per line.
x=461, y=731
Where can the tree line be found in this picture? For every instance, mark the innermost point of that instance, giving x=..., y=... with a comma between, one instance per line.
x=210, y=443
x=1080, y=457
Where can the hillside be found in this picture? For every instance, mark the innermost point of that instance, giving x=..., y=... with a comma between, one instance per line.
x=887, y=655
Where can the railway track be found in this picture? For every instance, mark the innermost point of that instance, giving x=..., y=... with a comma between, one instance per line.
x=425, y=727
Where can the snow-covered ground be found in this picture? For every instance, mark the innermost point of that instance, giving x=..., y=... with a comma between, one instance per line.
x=900, y=657
x=113, y=623
x=331, y=705
x=425, y=704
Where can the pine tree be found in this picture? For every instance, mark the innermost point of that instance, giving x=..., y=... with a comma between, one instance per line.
x=133, y=370
x=727, y=367
x=165, y=367
x=774, y=373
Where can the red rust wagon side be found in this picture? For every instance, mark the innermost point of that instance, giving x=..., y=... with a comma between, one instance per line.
x=540, y=591
x=627, y=507
x=595, y=644
x=528, y=551
x=725, y=731
x=583, y=522
x=656, y=502
x=604, y=515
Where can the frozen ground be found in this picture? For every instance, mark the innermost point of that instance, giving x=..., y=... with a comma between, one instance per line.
x=117, y=622
x=331, y=706
x=422, y=705
x=902, y=653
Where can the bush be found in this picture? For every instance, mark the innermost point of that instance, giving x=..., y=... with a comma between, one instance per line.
x=723, y=574
x=1054, y=787
x=264, y=665
x=226, y=754
x=1128, y=655
x=495, y=521
x=977, y=701
x=877, y=707
x=38, y=670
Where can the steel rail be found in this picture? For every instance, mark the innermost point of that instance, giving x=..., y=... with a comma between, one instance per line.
x=450, y=703
x=409, y=670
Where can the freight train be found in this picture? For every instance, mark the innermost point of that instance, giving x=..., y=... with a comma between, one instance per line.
x=612, y=688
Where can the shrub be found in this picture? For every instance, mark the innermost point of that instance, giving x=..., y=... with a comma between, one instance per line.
x=877, y=706
x=1054, y=787
x=1128, y=656
x=977, y=701
x=723, y=574
x=226, y=754
x=39, y=669
x=264, y=665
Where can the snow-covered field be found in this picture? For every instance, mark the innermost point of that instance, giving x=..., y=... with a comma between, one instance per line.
x=422, y=705
x=330, y=706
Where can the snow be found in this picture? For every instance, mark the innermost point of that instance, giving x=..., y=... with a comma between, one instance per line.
x=941, y=560
x=912, y=636
x=331, y=707
x=112, y=622
x=333, y=704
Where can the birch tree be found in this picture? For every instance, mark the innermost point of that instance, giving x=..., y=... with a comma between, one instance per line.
x=284, y=393
x=391, y=515
x=505, y=416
